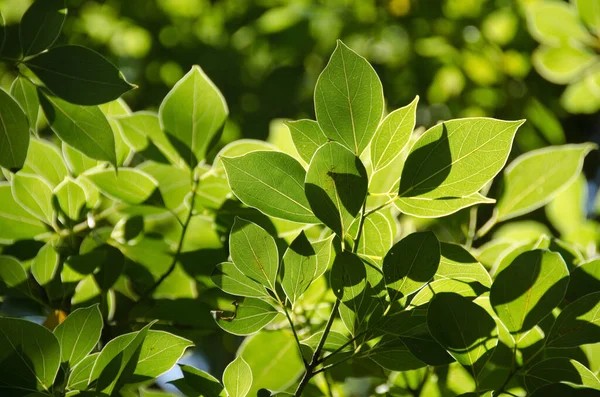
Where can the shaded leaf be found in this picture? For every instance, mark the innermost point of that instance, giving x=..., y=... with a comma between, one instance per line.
x=555, y=370
x=14, y=133
x=41, y=25
x=577, y=324
x=24, y=92
x=197, y=383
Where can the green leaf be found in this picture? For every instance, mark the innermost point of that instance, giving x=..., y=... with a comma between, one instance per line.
x=70, y=197
x=239, y=148
x=307, y=137
x=254, y=252
x=230, y=279
x=44, y=160
x=335, y=340
x=197, y=383
x=274, y=359
x=87, y=79
x=85, y=128
x=33, y=194
x=567, y=211
x=271, y=182
x=535, y=178
x=457, y=263
x=559, y=369
x=24, y=92
x=79, y=334
x=541, y=22
x=140, y=127
x=457, y=158
x=304, y=262
x=13, y=274
x=336, y=186
x=411, y=263
x=422, y=207
x=41, y=25
x=562, y=65
x=115, y=358
x=377, y=236
x=45, y=264
x=450, y=319
x=564, y=390
x=174, y=183
x=192, y=113
x=80, y=374
x=578, y=324
x=129, y=185
x=349, y=99
x=16, y=223
x=14, y=133
x=393, y=134
x=392, y=354
x=237, y=378
x=348, y=279
x=528, y=289
x=159, y=353
x=30, y=357
x=248, y=317
x=585, y=279
x=427, y=293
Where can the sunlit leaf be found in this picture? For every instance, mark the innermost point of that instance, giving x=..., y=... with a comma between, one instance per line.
x=45, y=160
x=79, y=334
x=33, y=194
x=230, y=279
x=16, y=223
x=45, y=264
x=70, y=197
x=349, y=99
x=307, y=137
x=160, y=351
x=129, y=185
x=246, y=318
x=438, y=207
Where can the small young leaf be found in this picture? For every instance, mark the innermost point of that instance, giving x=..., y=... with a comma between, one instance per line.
x=71, y=198
x=192, y=113
x=559, y=369
x=30, y=356
x=247, y=318
x=25, y=93
x=115, y=358
x=457, y=158
x=528, y=289
x=541, y=21
x=307, y=137
x=450, y=320
x=578, y=324
x=16, y=223
x=254, y=252
x=44, y=160
x=33, y=194
x=392, y=135
x=14, y=133
x=159, y=353
x=45, y=264
x=230, y=279
x=534, y=179
x=41, y=25
x=87, y=79
x=349, y=99
x=336, y=186
x=129, y=185
x=237, y=378
x=411, y=263
x=562, y=64
x=272, y=182
x=79, y=334
x=303, y=262
x=84, y=128
x=422, y=207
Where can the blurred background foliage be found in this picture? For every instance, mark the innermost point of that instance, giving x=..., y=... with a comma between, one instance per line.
x=464, y=57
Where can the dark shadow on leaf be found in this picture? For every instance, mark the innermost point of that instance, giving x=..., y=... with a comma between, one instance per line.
x=424, y=170
x=184, y=151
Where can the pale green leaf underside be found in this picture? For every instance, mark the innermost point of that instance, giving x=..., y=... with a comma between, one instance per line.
x=237, y=378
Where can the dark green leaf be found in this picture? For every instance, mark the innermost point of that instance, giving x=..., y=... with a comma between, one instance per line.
x=14, y=133
x=578, y=324
x=555, y=370
x=84, y=128
x=25, y=93
x=87, y=79
x=411, y=263
x=41, y=25
x=196, y=383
